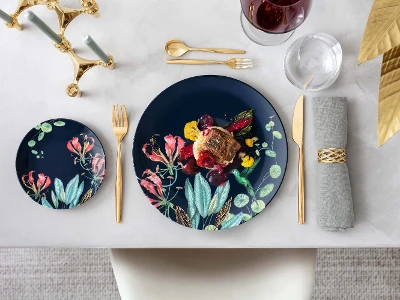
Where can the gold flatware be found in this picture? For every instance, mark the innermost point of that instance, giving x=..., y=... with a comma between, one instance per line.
x=120, y=128
x=234, y=63
x=298, y=137
x=177, y=48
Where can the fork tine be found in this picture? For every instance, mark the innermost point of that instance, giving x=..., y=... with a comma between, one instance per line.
x=121, y=118
x=244, y=60
x=244, y=67
x=125, y=117
x=244, y=63
x=113, y=116
x=118, y=117
x=117, y=114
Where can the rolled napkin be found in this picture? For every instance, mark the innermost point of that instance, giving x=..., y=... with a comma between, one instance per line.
x=335, y=203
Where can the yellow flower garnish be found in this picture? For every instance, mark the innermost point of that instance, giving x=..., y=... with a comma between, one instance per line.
x=248, y=161
x=191, y=131
x=250, y=142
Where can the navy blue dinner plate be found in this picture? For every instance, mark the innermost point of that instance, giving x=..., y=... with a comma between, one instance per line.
x=60, y=164
x=192, y=200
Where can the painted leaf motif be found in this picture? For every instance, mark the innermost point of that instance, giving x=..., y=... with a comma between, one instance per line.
x=195, y=220
x=202, y=194
x=46, y=203
x=211, y=227
x=275, y=171
x=34, y=152
x=266, y=190
x=270, y=153
x=40, y=136
x=271, y=123
x=46, y=127
x=59, y=188
x=78, y=194
x=182, y=217
x=382, y=32
x=54, y=199
x=246, y=172
x=246, y=217
x=235, y=221
x=267, y=127
x=71, y=190
x=228, y=218
x=277, y=134
x=59, y=123
x=389, y=96
x=258, y=206
x=87, y=196
x=213, y=204
x=264, y=145
x=37, y=127
x=189, y=194
x=31, y=143
x=223, y=193
x=241, y=200
x=222, y=214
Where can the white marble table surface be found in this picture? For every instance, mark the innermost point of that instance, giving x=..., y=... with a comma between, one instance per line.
x=33, y=77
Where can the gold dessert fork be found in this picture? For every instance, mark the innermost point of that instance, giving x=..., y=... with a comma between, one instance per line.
x=120, y=128
x=234, y=63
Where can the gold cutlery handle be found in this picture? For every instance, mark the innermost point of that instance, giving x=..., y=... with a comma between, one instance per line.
x=301, y=187
x=219, y=50
x=194, y=62
x=118, y=185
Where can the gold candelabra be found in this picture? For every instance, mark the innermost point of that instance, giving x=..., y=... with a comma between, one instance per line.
x=65, y=17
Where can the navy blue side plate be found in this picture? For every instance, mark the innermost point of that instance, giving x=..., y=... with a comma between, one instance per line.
x=192, y=201
x=60, y=164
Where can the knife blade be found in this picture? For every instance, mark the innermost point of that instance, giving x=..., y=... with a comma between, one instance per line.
x=298, y=137
x=298, y=122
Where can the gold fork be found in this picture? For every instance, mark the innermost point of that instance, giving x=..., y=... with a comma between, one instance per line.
x=234, y=63
x=120, y=128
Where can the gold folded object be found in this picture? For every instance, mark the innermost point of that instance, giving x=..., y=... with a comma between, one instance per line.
x=332, y=155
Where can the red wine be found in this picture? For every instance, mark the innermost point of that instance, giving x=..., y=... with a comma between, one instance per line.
x=276, y=16
x=284, y=2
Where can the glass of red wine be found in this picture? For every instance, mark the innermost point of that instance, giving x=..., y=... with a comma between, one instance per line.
x=272, y=22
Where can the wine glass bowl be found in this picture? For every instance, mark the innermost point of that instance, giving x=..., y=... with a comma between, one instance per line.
x=271, y=22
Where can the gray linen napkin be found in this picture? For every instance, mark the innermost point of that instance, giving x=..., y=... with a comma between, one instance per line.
x=335, y=204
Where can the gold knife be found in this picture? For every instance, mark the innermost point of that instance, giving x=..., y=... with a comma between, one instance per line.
x=298, y=137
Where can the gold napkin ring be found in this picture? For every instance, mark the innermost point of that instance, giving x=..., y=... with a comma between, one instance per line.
x=332, y=155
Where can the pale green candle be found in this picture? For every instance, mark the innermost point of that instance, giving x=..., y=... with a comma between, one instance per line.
x=43, y=27
x=5, y=17
x=96, y=48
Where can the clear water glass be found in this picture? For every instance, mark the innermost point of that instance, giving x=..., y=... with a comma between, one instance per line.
x=313, y=62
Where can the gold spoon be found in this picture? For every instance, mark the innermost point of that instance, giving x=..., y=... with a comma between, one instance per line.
x=177, y=48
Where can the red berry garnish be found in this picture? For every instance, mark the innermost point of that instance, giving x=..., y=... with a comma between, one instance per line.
x=216, y=178
x=220, y=168
x=205, y=122
x=186, y=152
x=206, y=160
x=191, y=167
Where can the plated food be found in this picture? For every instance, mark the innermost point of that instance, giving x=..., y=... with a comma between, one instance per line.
x=220, y=149
x=213, y=166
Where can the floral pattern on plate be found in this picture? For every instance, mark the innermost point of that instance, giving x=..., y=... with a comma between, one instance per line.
x=67, y=169
x=167, y=172
x=207, y=209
